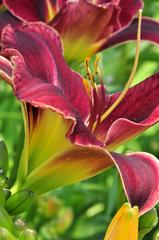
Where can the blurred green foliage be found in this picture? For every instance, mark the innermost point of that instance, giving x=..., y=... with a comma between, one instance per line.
x=83, y=211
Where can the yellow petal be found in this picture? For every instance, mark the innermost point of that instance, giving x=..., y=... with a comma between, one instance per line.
x=124, y=225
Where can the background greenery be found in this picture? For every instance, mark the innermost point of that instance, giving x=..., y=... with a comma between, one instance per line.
x=82, y=211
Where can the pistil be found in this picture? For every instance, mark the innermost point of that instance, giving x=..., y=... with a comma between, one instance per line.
x=131, y=78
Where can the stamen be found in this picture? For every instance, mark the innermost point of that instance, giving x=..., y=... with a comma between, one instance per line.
x=88, y=71
x=131, y=78
x=97, y=69
x=96, y=65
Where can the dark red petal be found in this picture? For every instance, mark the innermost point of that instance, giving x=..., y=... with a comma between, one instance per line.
x=129, y=9
x=81, y=135
x=122, y=130
x=39, y=93
x=39, y=58
x=60, y=3
x=140, y=176
x=138, y=111
x=1, y=3
x=149, y=32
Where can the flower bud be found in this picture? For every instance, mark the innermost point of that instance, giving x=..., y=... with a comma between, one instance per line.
x=147, y=222
x=19, y=226
x=124, y=225
x=28, y=234
x=4, y=159
x=19, y=202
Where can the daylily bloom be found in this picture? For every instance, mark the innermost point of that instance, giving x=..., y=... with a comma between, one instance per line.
x=124, y=225
x=67, y=138
x=88, y=26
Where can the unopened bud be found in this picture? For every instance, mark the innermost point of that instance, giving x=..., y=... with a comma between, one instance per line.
x=147, y=222
x=4, y=159
x=126, y=218
x=19, y=202
x=19, y=226
x=28, y=234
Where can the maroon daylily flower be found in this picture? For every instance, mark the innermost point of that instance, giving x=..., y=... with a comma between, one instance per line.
x=88, y=26
x=66, y=141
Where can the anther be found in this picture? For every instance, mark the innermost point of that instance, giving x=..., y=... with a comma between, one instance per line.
x=88, y=71
x=96, y=65
x=97, y=69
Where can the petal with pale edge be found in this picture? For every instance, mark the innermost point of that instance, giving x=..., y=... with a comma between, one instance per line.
x=138, y=111
x=41, y=10
x=6, y=70
x=41, y=76
x=149, y=32
x=5, y=66
x=124, y=225
x=83, y=25
x=140, y=176
x=67, y=167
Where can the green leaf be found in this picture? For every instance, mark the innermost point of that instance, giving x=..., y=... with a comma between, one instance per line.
x=4, y=159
